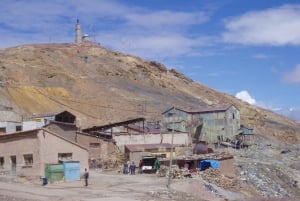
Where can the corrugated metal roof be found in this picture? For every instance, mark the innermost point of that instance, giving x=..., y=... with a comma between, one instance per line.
x=47, y=114
x=111, y=125
x=220, y=108
x=143, y=147
x=60, y=123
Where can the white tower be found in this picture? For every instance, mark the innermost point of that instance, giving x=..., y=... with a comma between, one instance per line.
x=78, y=38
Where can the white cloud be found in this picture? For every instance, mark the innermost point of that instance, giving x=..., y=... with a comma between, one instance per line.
x=245, y=96
x=154, y=45
x=261, y=56
x=148, y=33
x=293, y=76
x=292, y=113
x=275, y=26
x=166, y=18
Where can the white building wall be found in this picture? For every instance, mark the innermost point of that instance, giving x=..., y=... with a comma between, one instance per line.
x=179, y=139
x=10, y=126
x=30, y=125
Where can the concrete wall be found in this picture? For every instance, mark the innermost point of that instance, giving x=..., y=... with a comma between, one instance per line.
x=123, y=139
x=101, y=152
x=51, y=145
x=18, y=146
x=44, y=148
x=30, y=125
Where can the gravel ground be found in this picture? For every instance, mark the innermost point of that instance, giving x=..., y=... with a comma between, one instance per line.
x=271, y=168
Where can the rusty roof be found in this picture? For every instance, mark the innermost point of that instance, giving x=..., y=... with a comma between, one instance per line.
x=220, y=108
x=111, y=125
x=145, y=147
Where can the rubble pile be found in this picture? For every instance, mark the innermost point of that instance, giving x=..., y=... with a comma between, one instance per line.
x=185, y=173
x=271, y=168
x=214, y=176
x=104, y=164
x=178, y=173
x=173, y=195
x=269, y=180
x=215, y=156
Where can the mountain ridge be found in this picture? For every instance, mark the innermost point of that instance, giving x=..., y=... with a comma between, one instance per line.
x=101, y=86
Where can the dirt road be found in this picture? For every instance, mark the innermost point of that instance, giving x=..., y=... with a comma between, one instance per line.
x=105, y=187
x=112, y=186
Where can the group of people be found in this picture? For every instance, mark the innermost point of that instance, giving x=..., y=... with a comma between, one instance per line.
x=129, y=168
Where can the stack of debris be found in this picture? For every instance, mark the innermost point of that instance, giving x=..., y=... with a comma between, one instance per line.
x=214, y=156
x=214, y=176
x=185, y=173
x=177, y=173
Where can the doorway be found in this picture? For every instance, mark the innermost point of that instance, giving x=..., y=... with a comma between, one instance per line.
x=13, y=161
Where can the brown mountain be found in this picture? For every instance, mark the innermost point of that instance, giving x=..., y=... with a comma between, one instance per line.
x=101, y=86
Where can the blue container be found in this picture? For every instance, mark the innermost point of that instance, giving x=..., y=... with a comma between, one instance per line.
x=204, y=164
x=71, y=170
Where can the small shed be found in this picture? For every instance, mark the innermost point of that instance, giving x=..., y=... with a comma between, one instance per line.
x=245, y=137
x=71, y=170
x=54, y=172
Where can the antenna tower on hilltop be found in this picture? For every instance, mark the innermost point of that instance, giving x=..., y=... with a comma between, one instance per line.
x=78, y=37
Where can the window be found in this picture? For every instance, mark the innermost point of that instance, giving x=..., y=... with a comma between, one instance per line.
x=95, y=145
x=18, y=128
x=3, y=130
x=1, y=162
x=28, y=159
x=233, y=116
x=65, y=156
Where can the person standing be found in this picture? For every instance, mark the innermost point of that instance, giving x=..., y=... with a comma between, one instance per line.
x=132, y=168
x=141, y=167
x=128, y=167
x=86, y=177
x=156, y=165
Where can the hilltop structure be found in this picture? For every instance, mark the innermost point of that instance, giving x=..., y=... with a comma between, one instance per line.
x=78, y=32
x=79, y=38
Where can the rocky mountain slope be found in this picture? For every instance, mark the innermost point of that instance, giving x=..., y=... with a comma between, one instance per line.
x=101, y=86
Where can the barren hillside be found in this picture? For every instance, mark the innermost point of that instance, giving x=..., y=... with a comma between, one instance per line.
x=102, y=86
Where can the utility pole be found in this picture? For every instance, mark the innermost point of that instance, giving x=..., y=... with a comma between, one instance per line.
x=171, y=151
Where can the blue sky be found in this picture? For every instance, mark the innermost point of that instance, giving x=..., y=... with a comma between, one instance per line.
x=249, y=48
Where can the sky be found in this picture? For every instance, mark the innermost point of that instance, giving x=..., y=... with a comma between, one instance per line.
x=249, y=49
